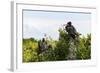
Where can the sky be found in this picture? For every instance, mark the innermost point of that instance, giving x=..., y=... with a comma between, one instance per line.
x=38, y=23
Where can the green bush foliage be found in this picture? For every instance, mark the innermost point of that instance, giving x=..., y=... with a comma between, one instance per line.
x=59, y=50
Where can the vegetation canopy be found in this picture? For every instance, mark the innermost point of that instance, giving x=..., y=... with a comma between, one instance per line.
x=57, y=50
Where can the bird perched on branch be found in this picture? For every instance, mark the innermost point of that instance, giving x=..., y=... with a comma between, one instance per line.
x=71, y=30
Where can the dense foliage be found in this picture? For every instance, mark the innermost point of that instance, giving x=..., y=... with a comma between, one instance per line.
x=59, y=50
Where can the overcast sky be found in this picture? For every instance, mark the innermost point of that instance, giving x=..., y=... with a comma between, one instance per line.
x=38, y=23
